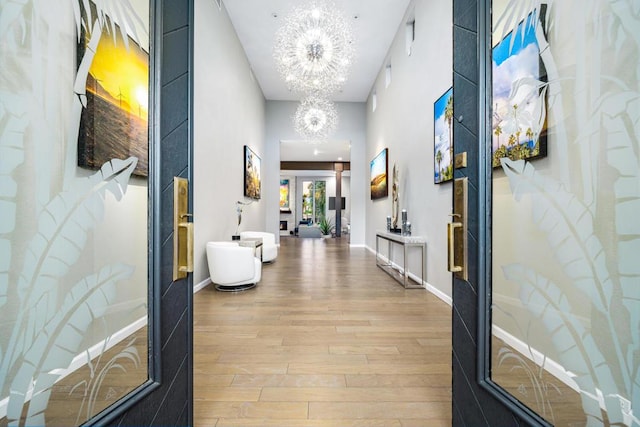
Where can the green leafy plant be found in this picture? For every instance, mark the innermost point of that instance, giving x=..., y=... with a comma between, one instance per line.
x=326, y=225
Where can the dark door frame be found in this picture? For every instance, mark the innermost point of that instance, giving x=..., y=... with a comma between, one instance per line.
x=476, y=400
x=167, y=397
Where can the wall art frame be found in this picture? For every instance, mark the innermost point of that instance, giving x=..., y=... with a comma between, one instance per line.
x=115, y=120
x=285, y=196
x=443, y=138
x=252, y=181
x=519, y=94
x=379, y=168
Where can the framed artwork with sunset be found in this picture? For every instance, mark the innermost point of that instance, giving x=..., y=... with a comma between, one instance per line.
x=114, y=120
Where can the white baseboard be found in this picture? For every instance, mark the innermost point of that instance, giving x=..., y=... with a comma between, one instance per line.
x=438, y=293
x=198, y=287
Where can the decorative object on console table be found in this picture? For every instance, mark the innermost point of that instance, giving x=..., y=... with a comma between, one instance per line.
x=395, y=204
x=404, y=222
x=388, y=223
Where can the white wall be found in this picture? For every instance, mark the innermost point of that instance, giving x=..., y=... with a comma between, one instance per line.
x=351, y=127
x=403, y=122
x=229, y=112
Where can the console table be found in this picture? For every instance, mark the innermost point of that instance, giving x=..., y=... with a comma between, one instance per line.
x=406, y=242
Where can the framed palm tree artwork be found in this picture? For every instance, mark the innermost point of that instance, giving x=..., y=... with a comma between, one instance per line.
x=443, y=138
x=519, y=126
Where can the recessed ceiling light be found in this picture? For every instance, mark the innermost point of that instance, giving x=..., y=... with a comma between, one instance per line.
x=340, y=158
x=274, y=14
x=315, y=152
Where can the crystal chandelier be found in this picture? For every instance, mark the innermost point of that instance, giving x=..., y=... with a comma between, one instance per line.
x=315, y=118
x=313, y=50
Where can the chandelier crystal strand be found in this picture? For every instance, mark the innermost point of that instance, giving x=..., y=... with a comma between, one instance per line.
x=315, y=117
x=314, y=48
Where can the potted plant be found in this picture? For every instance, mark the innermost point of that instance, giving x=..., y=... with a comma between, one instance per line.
x=326, y=226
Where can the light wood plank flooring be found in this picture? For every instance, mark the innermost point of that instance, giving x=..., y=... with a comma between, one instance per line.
x=326, y=339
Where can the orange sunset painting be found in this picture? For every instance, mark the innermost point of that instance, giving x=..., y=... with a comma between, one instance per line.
x=115, y=122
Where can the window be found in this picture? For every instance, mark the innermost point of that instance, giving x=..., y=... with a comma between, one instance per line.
x=387, y=75
x=410, y=34
x=314, y=200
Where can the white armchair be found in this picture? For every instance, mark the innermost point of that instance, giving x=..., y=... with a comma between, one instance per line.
x=232, y=267
x=345, y=226
x=269, y=247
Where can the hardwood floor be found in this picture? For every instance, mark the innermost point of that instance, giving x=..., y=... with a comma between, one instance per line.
x=325, y=339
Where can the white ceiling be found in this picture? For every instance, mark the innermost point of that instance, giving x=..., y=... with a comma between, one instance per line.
x=374, y=23
x=331, y=151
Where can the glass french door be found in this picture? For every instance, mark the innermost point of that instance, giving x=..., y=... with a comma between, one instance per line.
x=564, y=331
x=314, y=200
x=84, y=233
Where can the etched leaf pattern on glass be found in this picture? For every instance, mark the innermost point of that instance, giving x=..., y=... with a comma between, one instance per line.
x=589, y=218
x=46, y=332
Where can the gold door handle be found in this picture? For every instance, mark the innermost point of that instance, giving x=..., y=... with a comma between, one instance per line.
x=182, y=230
x=457, y=231
x=187, y=229
x=451, y=227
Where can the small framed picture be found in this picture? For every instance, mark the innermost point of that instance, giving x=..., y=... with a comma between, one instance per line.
x=252, y=182
x=379, y=172
x=443, y=138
